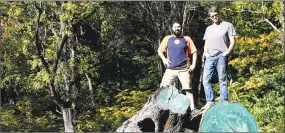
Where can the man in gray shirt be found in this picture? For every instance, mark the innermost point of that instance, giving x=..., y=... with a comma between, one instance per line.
x=219, y=42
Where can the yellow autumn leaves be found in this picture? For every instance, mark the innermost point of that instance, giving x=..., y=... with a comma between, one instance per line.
x=251, y=52
x=255, y=44
x=253, y=82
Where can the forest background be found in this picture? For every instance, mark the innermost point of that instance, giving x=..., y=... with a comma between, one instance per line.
x=89, y=66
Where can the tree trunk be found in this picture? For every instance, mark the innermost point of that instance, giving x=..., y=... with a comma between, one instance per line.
x=148, y=119
x=168, y=111
x=165, y=111
x=283, y=24
x=66, y=110
x=184, y=16
x=283, y=14
x=67, y=118
x=160, y=65
x=228, y=117
x=174, y=123
x=200, y=85
x=90, y=88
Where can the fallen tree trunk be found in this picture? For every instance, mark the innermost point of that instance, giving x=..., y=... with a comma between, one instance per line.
x=168, y=111
x=165, y=111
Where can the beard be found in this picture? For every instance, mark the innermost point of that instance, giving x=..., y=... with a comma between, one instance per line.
x=215, y=20
x=177, y=33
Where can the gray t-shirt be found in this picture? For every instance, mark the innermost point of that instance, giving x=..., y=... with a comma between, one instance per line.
x=218, y=37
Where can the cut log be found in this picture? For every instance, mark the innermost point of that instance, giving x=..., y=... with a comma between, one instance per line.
x=168, y=98
x=168, y=111
x=149, y=114
x=228, y=117
x=165, y=111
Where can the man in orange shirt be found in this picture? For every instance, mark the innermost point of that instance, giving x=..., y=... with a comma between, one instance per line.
x=178, y=48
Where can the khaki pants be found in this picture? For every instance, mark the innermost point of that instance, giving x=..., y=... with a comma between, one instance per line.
x=182, y=74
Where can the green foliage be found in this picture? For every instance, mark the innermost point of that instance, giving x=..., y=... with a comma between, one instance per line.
x=29, y=115
x=126, y=104
x=259, y=86
x=131, y=98
x=9, y=122
x=248, y=17
x=269, y=103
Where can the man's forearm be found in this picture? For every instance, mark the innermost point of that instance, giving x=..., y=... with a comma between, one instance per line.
x=229, y=50
x=161, y=55
x=194, y=59
x=206, y=48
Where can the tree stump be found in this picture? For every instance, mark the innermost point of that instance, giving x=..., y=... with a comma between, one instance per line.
x=166, y=111
x=228, y=117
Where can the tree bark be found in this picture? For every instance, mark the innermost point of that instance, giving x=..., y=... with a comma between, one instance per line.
x=148, y=119
x=160, y=65
x=283, y=24
x=90, y=88
x=68, y=120
x=165, y=111
x=200, y=85
x=168, y=111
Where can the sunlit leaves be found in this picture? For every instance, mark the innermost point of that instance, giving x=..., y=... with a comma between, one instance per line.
x=9, y=122
x=260, y=68
x=42, y=77
x=248, y=16
x=126, y=105
x=15, y=10
x=87, y=63
x=132, y=98
x=253, y=82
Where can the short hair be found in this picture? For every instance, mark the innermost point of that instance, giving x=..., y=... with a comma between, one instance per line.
x=176, y=22
x=213, y=9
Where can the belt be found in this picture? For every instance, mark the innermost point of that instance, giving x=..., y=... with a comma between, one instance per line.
x=216, y=54
x=181, y=68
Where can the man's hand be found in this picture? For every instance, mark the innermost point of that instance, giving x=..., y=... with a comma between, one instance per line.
x=166, y=62
x=191, y=68
x=206, y=55
x=225, y=53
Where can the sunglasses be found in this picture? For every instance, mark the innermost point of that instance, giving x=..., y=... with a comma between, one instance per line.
x=214, y=15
